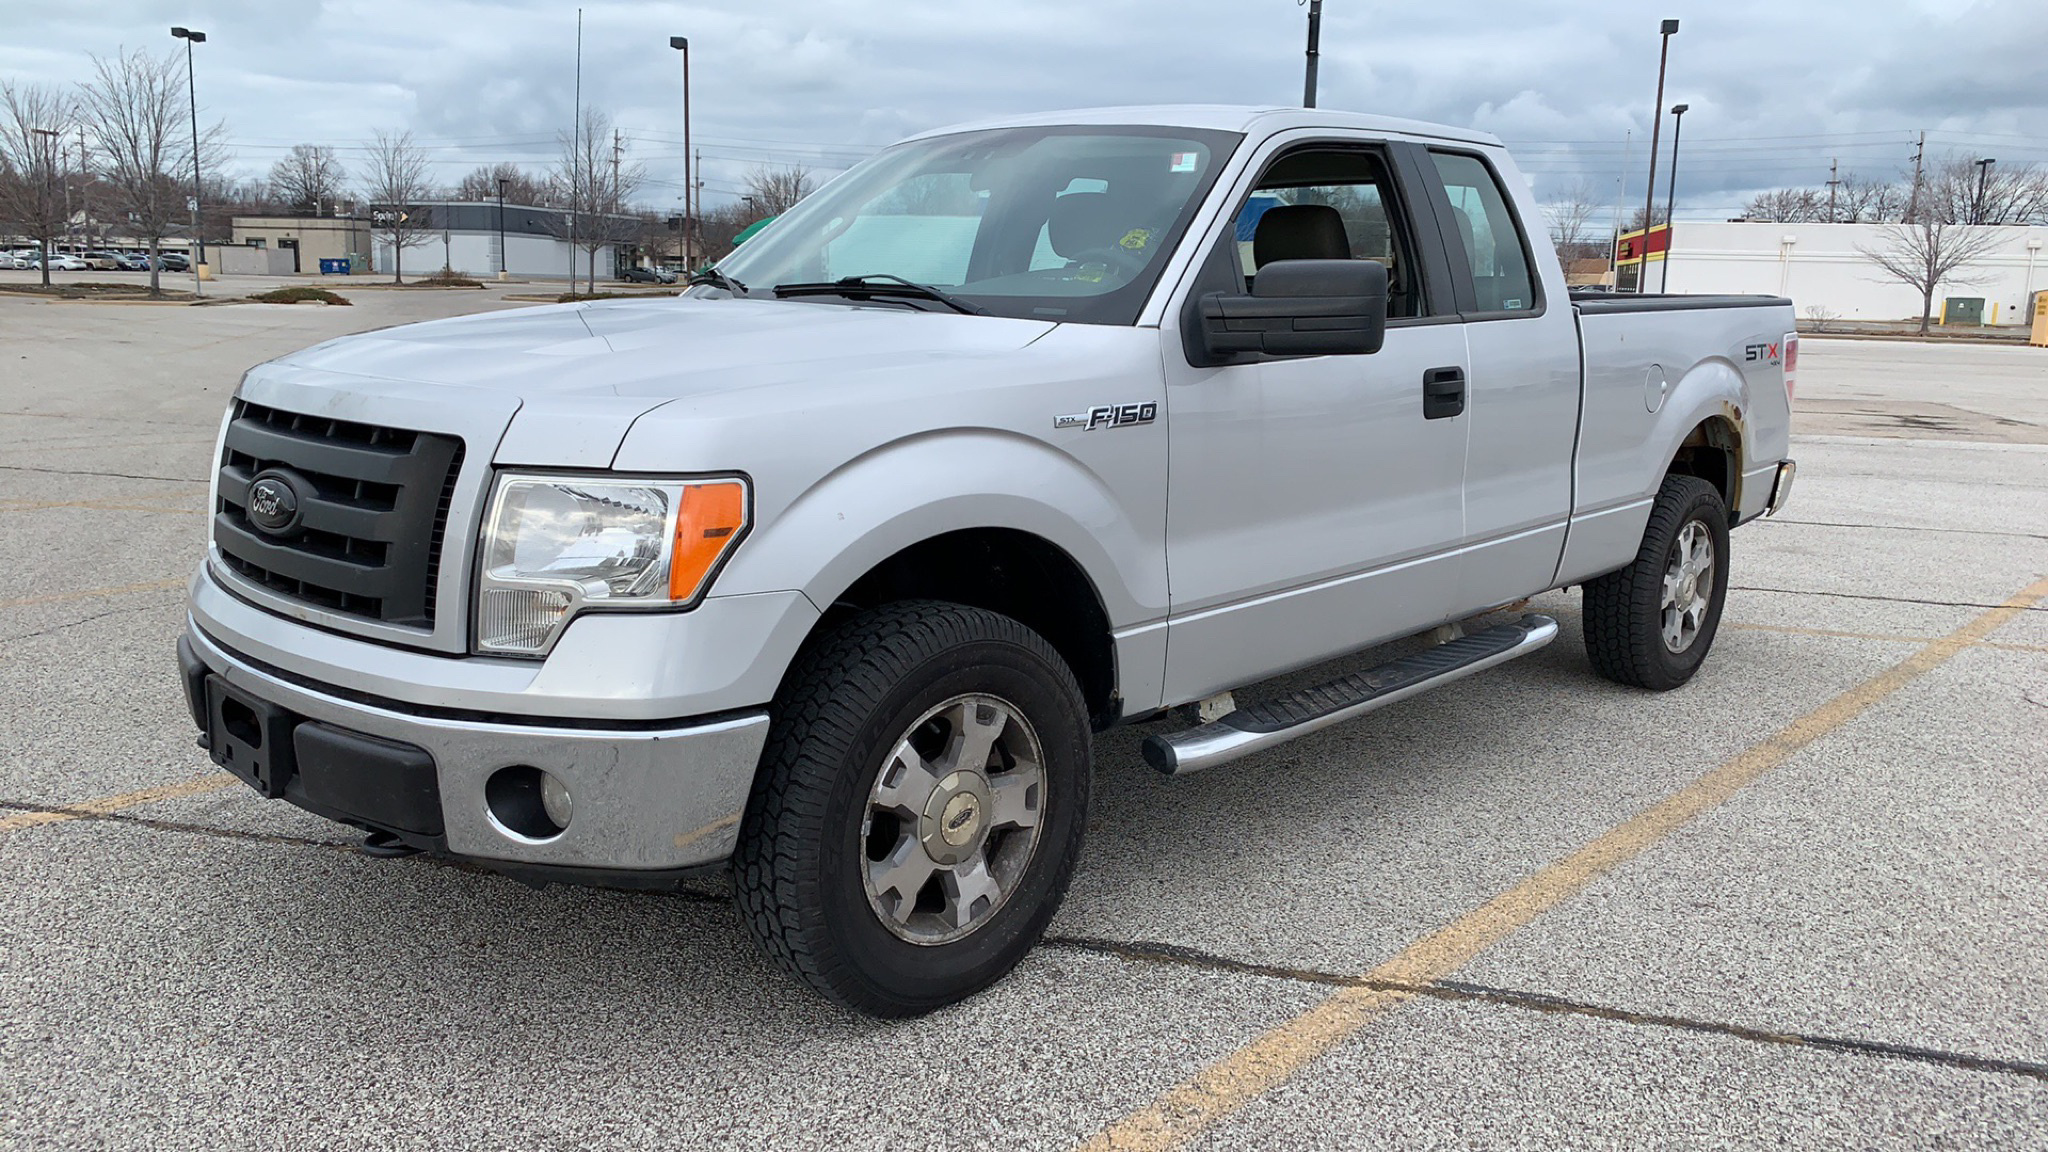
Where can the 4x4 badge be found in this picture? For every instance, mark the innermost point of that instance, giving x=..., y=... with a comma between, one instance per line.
x=1109, y=416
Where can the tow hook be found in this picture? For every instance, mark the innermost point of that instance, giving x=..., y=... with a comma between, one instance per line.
x=385, y=846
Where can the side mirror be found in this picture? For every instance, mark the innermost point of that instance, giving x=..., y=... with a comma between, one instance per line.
x=1301, y=308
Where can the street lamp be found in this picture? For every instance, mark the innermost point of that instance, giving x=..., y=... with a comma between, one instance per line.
x=1670, y=29
x=682, y=44
x=504, y=261
x=1678, y=112
x=1983, y=186
x=1315, y=53
x=190, y=38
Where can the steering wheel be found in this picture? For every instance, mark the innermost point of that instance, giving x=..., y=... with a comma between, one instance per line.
x=1127, y=261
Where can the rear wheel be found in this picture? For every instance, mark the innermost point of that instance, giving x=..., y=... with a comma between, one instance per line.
x=919, y=808
x=1651, y=624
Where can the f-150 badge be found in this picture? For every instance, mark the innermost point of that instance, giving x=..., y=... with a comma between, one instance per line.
x=1109, y=416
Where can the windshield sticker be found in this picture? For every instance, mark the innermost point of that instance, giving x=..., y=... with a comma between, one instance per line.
x=1135, y=239
x=1183, y=162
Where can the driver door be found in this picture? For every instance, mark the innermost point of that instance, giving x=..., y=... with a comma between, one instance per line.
x=1313, y=506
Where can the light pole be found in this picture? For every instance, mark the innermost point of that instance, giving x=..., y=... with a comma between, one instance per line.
x=504, y=256
x=682, y=44
x=1656, y=130
x=1678, y=112
x=1315, y=52
x=1983, y=186
x=191, y=37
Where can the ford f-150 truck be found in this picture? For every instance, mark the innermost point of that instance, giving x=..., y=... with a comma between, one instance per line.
x=826, y=571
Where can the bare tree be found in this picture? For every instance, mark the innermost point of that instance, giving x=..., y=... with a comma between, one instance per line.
x=1858, y=200
x=1788, y=206
x=135, y=107
x=1957, y=191
x=308, y=177
x=1927, y=253
x=776, y=190
x=32, y=195
x=395, y=183
x=1570, y=216
x=595, y=184
x=521, y=187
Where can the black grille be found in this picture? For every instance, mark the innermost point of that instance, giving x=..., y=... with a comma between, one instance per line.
x=373, y=512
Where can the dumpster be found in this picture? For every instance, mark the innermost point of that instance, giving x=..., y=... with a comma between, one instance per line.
x=334, y=267
x=1966, y=311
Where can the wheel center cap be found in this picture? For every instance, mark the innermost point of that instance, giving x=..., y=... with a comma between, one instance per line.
x=955, y=817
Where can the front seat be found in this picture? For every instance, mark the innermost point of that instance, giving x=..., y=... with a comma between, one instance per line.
x=1300, y=232
x=1081, y=223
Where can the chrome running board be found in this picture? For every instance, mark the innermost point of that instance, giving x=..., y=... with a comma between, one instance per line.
x=1263, y=726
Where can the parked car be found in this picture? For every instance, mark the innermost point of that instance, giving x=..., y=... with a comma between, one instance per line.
x=15, y=260
x=134, y=262
x=174, y=262
x=67, y=263
x=102, y=261
x=647, y=276
x=826, y=572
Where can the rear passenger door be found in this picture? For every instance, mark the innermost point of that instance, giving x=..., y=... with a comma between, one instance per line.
x=1313, y=503
x=1523, y=392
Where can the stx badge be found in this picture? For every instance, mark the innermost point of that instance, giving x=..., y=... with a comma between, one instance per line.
x=1109, y=416
x=1766, y=352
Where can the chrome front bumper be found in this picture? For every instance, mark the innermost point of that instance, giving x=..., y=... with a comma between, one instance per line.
x=649, y=798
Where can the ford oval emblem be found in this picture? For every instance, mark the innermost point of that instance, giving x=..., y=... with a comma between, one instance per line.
x=274, y=503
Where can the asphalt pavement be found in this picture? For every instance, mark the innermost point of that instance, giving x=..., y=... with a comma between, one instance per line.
x=1798, y=902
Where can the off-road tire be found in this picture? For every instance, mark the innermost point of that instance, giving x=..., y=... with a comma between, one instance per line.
x=1623, y=613
x=798, y=870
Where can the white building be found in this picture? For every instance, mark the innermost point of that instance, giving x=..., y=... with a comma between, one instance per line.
x=465, y=237
x=1821, y=266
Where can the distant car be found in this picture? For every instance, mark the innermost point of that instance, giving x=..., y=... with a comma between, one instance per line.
x=134, y=262
x=647, y=276
x=11, y=260
x=102, y=261
x=68, y=264
x=174, y=262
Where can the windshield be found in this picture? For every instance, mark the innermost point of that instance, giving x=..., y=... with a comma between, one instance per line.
x=1051, y=223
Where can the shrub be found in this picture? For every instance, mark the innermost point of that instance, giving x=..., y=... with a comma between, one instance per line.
x=299, y=295
x=447, y=279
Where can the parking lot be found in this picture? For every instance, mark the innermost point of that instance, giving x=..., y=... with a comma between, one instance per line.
x=1799, y=902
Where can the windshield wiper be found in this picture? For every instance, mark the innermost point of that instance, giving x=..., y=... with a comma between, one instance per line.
x=877, y=284
x=716, y=279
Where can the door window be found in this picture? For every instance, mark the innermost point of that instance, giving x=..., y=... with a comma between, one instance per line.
x=1488, y=234
x=1360, y=219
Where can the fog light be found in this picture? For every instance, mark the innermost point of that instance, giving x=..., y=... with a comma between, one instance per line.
x=527, y=803
x=555, y=800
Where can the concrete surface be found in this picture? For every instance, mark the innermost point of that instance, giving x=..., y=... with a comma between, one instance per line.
x=1844, y=953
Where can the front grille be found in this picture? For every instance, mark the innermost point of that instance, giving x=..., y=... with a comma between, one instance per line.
x=373, y=507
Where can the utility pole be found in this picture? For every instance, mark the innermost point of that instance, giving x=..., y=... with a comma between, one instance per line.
x=1913, y=201
x=1834, y=182
x=576, y=146
x=1670, y=29
x=1628, y=139
x=1315, y=52
x=84, y=181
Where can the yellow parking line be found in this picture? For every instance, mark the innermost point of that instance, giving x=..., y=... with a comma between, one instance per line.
x=1186, y=1110
x=1890, y=637
x=95, y=593
x=193, y=787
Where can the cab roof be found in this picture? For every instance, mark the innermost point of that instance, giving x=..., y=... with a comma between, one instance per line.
x=1247, y=119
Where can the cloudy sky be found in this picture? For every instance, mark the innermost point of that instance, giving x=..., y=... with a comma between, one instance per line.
x=1777, y=88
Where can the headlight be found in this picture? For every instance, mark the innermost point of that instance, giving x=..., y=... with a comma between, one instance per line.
x=556, y=545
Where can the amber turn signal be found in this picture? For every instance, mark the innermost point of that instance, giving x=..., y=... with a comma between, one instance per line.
x=709, y=522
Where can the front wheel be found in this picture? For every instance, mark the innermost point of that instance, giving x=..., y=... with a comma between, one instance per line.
x=919, y=808
x=1650, y=624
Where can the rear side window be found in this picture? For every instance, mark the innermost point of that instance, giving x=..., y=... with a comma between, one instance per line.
x=1491, y=238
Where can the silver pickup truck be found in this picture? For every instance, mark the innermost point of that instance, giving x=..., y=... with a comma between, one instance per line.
x=826, y=571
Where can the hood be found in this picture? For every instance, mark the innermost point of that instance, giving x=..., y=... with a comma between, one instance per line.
x=661, y=349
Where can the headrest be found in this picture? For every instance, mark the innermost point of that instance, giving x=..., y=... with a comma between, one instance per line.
x=1082, y=222
x=1300, y=232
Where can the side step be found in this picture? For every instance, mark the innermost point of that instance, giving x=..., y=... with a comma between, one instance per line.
x=1262, y=726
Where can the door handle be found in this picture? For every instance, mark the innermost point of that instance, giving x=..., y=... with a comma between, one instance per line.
x=1443, y=393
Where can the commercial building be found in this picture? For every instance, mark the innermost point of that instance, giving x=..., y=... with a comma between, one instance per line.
x=308, y=240
x=465, y=236
x=1824, y=269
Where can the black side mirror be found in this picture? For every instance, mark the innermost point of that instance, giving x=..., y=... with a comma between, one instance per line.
x=1301, y=308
